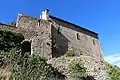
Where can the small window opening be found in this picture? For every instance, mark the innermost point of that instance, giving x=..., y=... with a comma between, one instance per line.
x=93, y=42
x=38, y=22
x=78, y=36
x=58, y=30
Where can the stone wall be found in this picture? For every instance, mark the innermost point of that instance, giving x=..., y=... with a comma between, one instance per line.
x=95, y=68
x=67, y=37
x=54, y=38
x=8, y=27
x=38, y=32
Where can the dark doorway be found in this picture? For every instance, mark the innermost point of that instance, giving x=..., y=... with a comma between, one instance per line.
x=26, y=46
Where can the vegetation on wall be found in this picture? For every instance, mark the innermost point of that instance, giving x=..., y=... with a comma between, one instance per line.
x=13, y=23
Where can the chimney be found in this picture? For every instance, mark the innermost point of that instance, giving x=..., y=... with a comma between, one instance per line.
x=44, y=14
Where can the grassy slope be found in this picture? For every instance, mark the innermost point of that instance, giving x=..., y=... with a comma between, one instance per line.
x=113, y=71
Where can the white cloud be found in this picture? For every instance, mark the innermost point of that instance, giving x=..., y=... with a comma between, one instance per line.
x=113, y=59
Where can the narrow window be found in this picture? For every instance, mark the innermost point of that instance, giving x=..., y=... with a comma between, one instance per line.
x=38, y=22
x=78, y=36
x=58, y=30
x=93, y=42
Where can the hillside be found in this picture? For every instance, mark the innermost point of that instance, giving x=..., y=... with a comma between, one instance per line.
x=17, y=65
x=113, y=71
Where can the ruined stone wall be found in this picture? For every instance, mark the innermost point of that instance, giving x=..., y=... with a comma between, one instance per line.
x=38, y=32
x=8, y=27
x=67, y=37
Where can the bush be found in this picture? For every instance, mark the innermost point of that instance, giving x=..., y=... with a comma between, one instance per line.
x=29, y=67
x=113, y=72
x=77, y=69
x=70, y=53
x=13, y=23
x=9, y=40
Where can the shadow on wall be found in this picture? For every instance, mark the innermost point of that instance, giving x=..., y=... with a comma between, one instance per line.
x=59, y=43
x=88, y=78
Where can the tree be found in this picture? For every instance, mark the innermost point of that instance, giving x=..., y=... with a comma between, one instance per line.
x=13, y=23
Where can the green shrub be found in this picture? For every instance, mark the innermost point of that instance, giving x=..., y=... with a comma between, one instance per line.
x=13, y=23
x=113, y=72
x=9, y=40
x=77, y=69
x=70, y=53
x=29, y=67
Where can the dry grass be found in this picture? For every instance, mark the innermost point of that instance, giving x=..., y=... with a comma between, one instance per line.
x=5, y=74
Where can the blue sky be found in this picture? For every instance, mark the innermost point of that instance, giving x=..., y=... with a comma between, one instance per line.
x=101, y=16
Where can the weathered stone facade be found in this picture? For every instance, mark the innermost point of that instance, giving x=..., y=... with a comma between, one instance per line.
x=52, y=37
x=38, y=32
x=70, y=37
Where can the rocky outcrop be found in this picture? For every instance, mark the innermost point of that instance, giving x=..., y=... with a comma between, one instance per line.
x=94, y=69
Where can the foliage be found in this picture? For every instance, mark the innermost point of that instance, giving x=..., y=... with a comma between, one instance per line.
x=13, y=23
x=77, y=69
x=23, y=66
x=70, y=53
x=29, y=67
x=113, y=71
x=9, y=40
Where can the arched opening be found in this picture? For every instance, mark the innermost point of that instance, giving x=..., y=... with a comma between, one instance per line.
x=26, y=46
